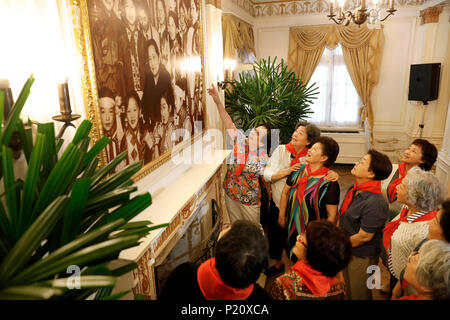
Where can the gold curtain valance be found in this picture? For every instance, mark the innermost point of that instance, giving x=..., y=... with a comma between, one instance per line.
x=311, y=38
x=237, y=34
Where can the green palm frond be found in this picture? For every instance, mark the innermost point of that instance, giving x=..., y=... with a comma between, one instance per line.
x=271, y=94
x=67, y=212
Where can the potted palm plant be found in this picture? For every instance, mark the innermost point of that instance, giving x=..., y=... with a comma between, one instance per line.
x=270, y=94
x=67, y=213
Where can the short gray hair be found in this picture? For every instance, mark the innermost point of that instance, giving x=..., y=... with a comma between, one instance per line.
x=424, y=190
x=433, y=268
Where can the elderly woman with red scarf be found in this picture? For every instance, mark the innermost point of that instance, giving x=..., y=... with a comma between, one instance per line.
x=240, y=256
x=322, y=252
x=306, y=195
x=420, y=192
x=241, y=184
x=420, y=153
x=363, y=215
x=284, y=160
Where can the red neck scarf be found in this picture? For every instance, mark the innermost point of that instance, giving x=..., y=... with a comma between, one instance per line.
x=316, y=281
x=303, y=181
x=290, y=147
x=212, y=286
x=413, y=297
x=392, y=187
x=373, y=186
x=242, y=158
x=390, y=228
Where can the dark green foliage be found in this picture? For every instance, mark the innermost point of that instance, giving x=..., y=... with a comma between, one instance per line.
x=271, y=95
x=67, y=212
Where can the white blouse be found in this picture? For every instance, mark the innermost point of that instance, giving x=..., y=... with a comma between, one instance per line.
x=279, y=160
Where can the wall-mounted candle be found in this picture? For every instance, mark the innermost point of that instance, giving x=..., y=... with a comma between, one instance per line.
x=8, y=101
x=331, y=7
x=64, y=100
x=363, y=4
x=391, y=4
x=341, y=8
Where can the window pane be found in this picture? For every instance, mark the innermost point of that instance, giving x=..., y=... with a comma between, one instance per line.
x=320, y=77
x=338, y=102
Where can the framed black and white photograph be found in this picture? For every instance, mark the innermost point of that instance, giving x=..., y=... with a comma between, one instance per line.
x=143, y=77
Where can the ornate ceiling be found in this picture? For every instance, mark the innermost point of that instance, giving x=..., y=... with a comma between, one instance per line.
x=268, y=8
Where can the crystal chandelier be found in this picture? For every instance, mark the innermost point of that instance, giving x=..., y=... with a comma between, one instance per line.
x=361, y=13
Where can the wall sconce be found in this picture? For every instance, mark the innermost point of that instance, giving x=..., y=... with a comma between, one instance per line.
x=66, y=115
x=229, y=66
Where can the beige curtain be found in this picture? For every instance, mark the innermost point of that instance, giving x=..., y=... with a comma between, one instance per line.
x=237, y=35
x=362, y=52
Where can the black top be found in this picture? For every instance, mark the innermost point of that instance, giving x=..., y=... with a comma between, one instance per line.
x=367, y=211
x=151, y=104
x=182, y=285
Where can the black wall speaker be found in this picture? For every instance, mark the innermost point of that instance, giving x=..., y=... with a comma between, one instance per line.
x=424, y=82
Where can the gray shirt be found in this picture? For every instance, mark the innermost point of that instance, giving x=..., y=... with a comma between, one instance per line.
x=367, y=211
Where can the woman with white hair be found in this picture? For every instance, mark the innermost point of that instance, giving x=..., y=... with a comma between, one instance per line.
x=428, y=271
x=420, y=193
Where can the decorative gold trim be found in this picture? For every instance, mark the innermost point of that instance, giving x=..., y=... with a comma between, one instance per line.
x=215, y=3
x=89, y=84
x=430, y=15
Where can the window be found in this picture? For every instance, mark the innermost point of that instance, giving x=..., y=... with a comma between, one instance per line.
x=338, y=103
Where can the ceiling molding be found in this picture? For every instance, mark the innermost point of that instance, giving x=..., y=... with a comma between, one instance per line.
x=264, y=8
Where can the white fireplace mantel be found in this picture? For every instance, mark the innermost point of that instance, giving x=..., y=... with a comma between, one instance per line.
x=177, y=192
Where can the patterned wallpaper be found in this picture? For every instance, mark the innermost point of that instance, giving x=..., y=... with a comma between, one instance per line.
x=302, y=7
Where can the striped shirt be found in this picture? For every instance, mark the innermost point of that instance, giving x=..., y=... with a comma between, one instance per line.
x=407, y=236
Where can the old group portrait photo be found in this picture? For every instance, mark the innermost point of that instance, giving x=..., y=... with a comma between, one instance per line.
x=147, y=58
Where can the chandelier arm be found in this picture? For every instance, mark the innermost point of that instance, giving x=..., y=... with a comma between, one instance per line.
x=335, y=21
x=391, y=13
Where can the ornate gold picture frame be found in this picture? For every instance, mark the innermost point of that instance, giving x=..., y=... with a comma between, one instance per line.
x=142, y=76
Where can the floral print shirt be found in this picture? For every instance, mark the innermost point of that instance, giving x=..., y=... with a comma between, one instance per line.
x=245, y=188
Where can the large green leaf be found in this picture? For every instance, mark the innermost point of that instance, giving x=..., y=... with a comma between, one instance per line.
x=75, y=208
x=29, y=293
x=129, y=210
x=82, y=132
x=21, y=253
x=117, y=179
x=31, y=181
x=95, y=150
x=34, y=272
x=60, y=177
x=10, y=187
x=26, y=139
x=91, y=254
x=104, y=171
x=50, y=156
